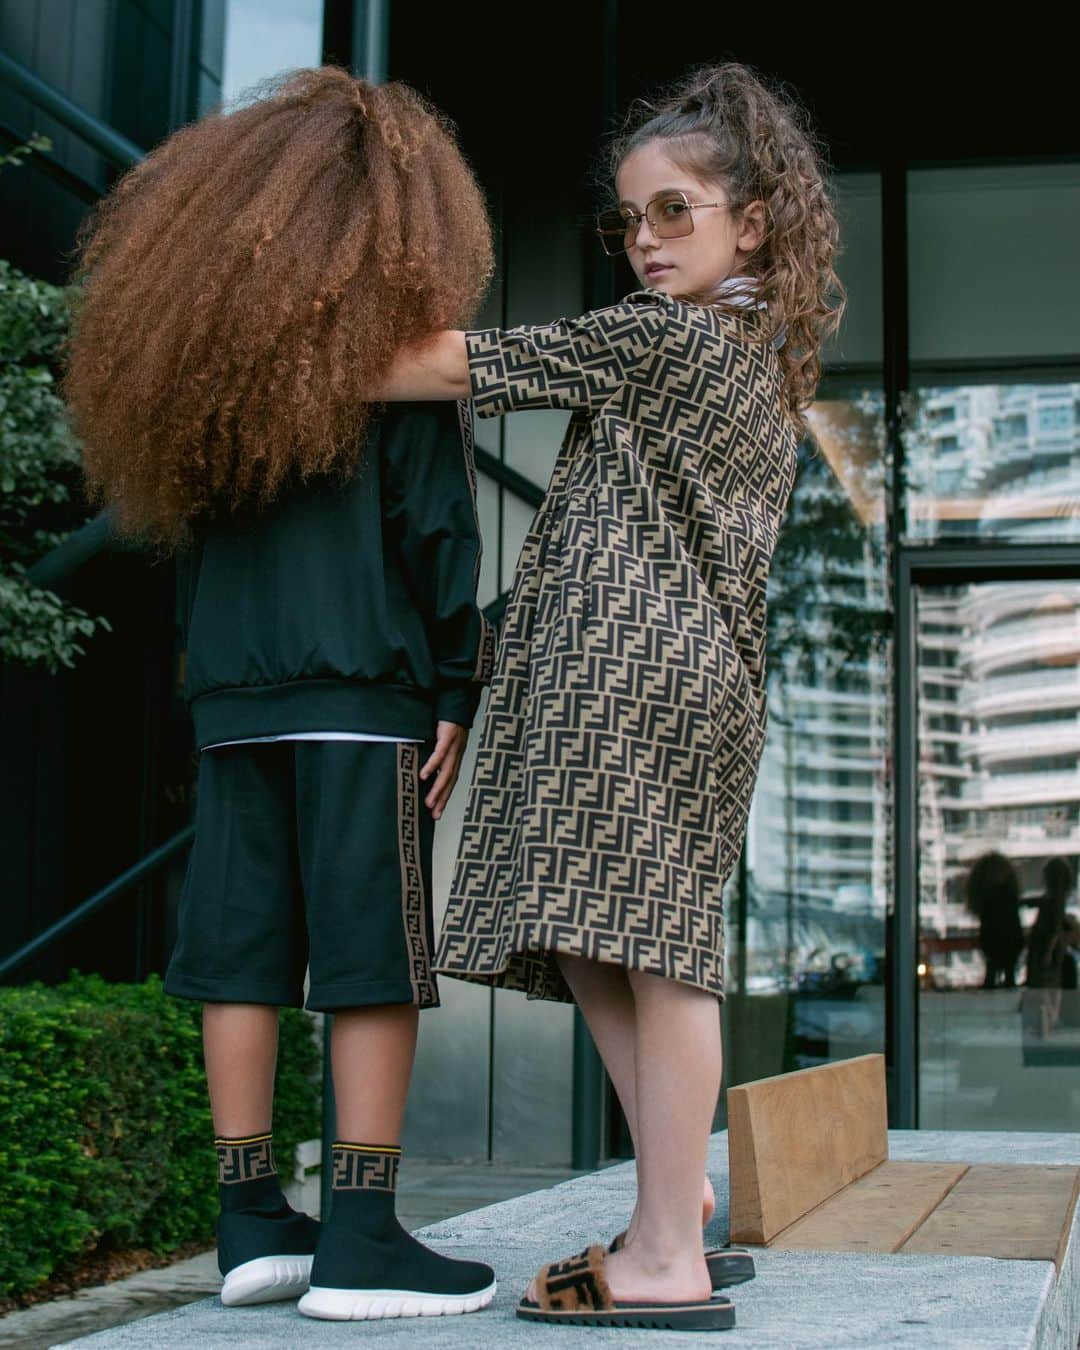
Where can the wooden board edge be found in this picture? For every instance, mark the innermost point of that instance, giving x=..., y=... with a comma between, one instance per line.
x=1066, y=1227
x=745, y=1194
x=742, y=1088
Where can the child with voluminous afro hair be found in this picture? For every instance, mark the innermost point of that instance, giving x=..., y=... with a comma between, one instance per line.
x=246, y=285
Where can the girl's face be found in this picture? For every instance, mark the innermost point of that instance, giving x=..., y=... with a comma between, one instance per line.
x=693, y=264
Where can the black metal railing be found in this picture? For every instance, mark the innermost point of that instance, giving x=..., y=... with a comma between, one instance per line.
x=134, y=876
x=97, y=134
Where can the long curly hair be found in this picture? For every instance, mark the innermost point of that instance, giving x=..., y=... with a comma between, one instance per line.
x=731, y=125
x=244, y=288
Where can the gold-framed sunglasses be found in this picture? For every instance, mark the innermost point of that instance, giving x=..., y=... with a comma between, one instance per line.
x=670, y=216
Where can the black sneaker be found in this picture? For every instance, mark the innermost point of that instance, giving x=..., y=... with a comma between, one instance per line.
x=265, y=1255
x=367, y=1266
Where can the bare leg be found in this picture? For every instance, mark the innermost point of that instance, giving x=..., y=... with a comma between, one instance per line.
x=678, y=1069
x=240, y=1049
x=372, y=1051
x=606, y=1000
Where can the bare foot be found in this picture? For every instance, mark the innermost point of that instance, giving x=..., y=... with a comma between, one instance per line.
x=636, y=1276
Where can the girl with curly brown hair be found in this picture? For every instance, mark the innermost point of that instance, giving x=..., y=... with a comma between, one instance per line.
x=627, y=712
x=243, y=290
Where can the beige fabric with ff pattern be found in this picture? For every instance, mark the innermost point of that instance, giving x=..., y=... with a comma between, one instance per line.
x=626, y=718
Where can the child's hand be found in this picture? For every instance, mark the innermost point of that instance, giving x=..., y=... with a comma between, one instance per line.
x=445, y=764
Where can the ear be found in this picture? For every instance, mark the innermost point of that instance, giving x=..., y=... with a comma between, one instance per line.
x=751, y=226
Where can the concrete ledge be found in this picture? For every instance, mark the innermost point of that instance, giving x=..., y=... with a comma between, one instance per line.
x=800, y=1300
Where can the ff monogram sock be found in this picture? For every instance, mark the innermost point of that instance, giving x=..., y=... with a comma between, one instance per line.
x=366, y=1167
x=362, y=1244
x=256, y=1220
x=247, y=1174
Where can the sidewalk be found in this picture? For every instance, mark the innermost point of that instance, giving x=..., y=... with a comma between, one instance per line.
x=800, y=1300
x=428, y=1193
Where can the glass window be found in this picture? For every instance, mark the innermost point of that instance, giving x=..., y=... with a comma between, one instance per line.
x=993, y=287
x=999, y=839
x=858, y=205
x=992, y=262
x=264, y=37
x=807, y=934
x=1056, y=418
x=993, y=461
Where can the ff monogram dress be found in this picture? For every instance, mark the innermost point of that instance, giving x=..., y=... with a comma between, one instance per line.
x=626, y=717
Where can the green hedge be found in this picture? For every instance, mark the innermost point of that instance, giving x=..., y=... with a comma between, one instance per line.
x=106, y=1139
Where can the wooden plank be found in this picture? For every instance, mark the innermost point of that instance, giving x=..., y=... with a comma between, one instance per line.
x=1066, y=1227
x=797, y=1139
x=877, y=1213
x=1006, y=1210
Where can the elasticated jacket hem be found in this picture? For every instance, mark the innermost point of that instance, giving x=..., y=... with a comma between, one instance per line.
x=312, y=705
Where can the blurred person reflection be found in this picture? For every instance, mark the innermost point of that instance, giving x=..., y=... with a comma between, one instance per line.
x=1070, y=998
x=993, y=896
x=1047, y=951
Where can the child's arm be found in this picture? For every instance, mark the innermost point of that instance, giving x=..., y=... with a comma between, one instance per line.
x=436, y=369
x=576, y=364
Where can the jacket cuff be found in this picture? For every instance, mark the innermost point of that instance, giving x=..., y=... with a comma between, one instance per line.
x=458, y=705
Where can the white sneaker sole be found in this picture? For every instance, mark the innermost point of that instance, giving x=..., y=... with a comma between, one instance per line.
x=266, y=1280
x=363, y=1305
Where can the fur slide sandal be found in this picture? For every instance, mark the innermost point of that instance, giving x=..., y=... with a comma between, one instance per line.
x=576, y=1292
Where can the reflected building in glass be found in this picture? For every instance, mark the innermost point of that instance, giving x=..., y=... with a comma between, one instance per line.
x=998, y=730
x=998, y=676
x=999, y=679
x=817, y=856
x=995, y=461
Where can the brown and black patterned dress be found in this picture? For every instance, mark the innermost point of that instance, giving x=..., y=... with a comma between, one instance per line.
x=626, y=717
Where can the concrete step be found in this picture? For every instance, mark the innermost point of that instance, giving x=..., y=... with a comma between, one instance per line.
x=800, y=1300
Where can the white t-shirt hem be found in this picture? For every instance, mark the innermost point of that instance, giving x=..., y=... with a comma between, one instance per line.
x=316, y=736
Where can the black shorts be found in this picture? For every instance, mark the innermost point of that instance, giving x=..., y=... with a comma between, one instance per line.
x=308, y=852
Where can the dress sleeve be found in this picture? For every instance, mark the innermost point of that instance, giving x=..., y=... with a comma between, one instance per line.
x=574, y=364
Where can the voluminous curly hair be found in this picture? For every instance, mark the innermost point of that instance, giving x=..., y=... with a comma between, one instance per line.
x=244, y=288
x=728, y=124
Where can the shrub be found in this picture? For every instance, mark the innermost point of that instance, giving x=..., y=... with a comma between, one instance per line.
x=39, y=467
x=105, y=1132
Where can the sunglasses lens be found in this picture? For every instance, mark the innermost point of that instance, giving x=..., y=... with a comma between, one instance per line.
x=612, y=221
x=611, y=226
x=670, y=216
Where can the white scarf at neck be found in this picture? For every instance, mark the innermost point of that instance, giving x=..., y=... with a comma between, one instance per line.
x=744, y=291
x=739, y=290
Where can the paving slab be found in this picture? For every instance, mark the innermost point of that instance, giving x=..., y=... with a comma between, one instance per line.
x=134, y=1298
x=800, y=1300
